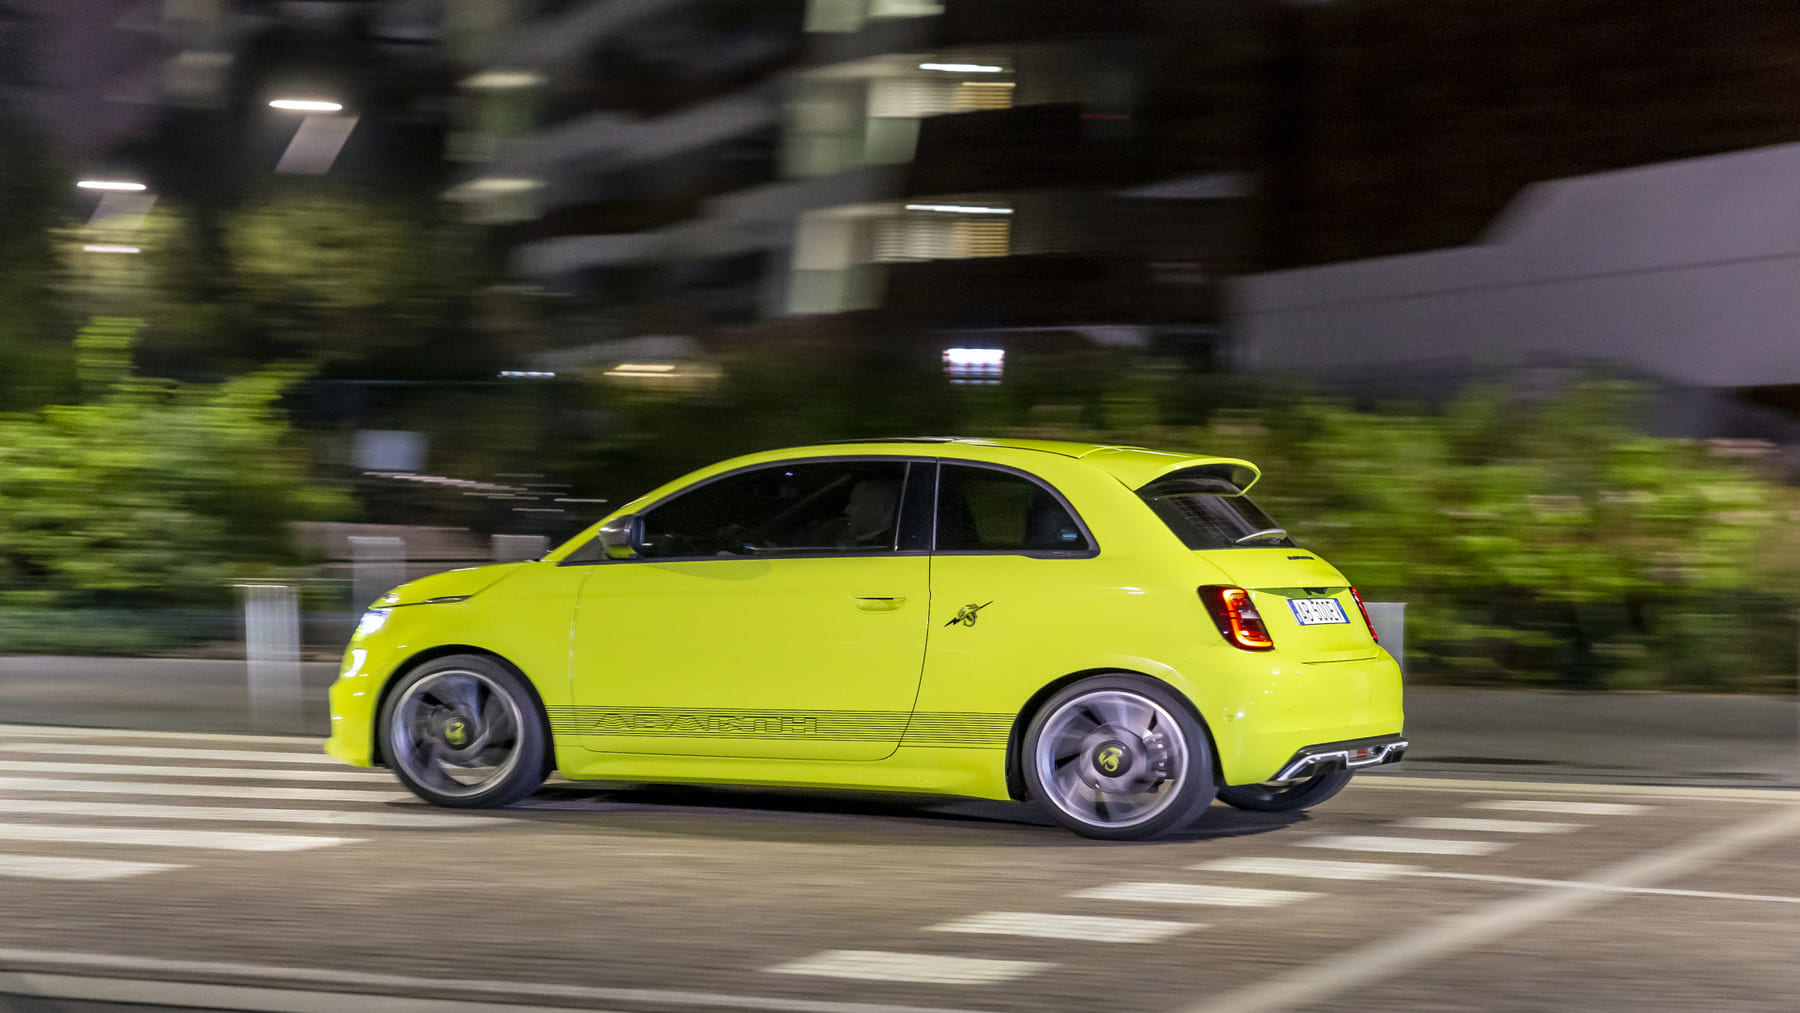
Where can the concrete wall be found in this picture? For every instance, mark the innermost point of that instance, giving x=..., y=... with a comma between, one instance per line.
x=1688, y=271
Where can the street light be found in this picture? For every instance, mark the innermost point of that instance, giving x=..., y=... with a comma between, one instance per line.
x=111, y=184
x=307, y=105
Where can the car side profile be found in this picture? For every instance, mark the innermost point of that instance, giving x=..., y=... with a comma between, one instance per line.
x=1118, y=634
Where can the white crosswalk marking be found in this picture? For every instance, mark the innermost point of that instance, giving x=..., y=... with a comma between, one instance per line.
x=1308, y=868
x=239, y=773
x=1088, y=928
x=1455, y=823
x=82, y=869
x=168, y=753
x=1540, y=805
x=270, y=793
x=880, y=965
x=1193, y=893
x=218, y=840
x=145, y=811
x=1405, y=845
x=77, y=788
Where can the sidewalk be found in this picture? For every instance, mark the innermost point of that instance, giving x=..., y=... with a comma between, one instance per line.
x=1704, y=739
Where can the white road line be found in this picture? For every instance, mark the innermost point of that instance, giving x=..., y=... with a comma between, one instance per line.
x=1405, y=845
x=1347, y=971
x=310, y=1000
x=1391, y=782
x=1544, y=805
x=61, y=732
x=1577, y=884
x=1306, y=867
x=1193, y=893
x=929, y=968
x=83, y=869
x=241, y=814
x=1088, y=928
x=215, y=840
x=137, y=993
x=242, y=773
x=169, y=753
x=273, y=793
x=1455, y=823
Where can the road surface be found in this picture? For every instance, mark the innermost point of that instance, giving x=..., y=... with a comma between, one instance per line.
x=145, y=869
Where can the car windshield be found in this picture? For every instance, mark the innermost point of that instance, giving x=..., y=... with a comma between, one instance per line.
x=1208, y=512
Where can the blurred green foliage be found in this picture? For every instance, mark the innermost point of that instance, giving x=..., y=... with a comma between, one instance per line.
x=338, y=279
x=1536, y=540
x=148, y=493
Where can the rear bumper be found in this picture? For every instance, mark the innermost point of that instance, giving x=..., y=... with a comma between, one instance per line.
x=1348, y=755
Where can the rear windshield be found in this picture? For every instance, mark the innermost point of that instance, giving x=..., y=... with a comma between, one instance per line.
x=1208, y=512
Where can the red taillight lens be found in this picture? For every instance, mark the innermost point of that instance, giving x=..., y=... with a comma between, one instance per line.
x=1364, y=609
x=1238, y=621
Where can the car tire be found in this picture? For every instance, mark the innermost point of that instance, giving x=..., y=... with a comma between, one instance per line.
x=1118, y=758
x=1286, y=796
x=465, y=731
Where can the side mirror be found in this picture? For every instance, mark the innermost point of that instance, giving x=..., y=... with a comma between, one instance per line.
x=617, y=537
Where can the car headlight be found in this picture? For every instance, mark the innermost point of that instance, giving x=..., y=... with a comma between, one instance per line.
x=371, y=621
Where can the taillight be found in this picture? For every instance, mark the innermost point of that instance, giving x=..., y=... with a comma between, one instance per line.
x=1364, y=609
x=1236, y=616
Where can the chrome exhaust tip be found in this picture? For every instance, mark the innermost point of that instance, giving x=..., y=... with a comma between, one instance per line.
x=1342, y=756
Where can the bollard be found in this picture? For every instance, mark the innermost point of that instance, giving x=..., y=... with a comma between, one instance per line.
x=1389, y=620
x=272, y=654
x=378, y=562
x=512, y=548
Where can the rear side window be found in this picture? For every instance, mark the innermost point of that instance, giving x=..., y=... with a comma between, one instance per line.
x=1208, y=512
x=983, y=510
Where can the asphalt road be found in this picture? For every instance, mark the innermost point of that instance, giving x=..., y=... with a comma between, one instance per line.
x=144, y=870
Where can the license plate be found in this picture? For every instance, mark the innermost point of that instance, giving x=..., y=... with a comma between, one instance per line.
x=1317, y=611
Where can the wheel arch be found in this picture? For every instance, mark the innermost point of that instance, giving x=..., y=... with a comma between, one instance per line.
x=1015, y=739
x=431, y=654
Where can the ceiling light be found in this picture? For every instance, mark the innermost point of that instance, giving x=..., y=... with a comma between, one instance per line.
x=306, y=105
x=959, y=209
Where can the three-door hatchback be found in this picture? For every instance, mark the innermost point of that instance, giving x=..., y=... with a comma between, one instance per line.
x=1116, y=633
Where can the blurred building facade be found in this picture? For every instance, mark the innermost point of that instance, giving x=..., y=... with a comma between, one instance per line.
x=175, y=93
x=1680, y=273
x=984, y=170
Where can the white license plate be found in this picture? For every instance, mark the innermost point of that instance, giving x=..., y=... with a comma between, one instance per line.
x=1317, y=611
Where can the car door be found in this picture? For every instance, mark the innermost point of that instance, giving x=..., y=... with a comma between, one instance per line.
x=1013, y=587
x=774, y=612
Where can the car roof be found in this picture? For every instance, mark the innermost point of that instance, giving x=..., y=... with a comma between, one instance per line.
x=1134, y=466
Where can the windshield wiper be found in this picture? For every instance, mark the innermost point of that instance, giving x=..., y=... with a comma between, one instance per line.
x=1257, y=536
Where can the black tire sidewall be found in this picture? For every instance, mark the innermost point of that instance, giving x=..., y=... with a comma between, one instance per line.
x=1306, y=794
x=534, y=736
x=1196, y=793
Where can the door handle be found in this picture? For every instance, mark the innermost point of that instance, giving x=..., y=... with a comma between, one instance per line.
x=878, y=604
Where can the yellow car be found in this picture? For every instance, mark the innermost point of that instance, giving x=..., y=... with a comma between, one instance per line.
x=1116, y=633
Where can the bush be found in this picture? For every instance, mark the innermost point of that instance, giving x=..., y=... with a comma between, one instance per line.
x=1540, y=542
x=149, y=494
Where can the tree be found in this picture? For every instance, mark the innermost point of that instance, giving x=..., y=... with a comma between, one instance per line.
x=148, y=493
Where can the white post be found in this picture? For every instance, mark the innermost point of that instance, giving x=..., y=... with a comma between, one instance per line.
x=272, y=653
x=378, y=562
x=1389, y=620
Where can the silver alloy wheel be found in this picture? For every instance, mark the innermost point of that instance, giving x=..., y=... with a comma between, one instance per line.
x=456, y=731
x=1112, y=758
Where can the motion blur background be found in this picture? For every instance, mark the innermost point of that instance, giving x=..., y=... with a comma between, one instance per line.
x=1500, y=293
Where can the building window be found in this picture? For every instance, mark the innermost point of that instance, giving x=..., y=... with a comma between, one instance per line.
x=851, y=15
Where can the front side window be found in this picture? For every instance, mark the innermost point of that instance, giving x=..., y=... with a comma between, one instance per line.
x=1209, y=512
x=984, y=510
x=827, y=507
